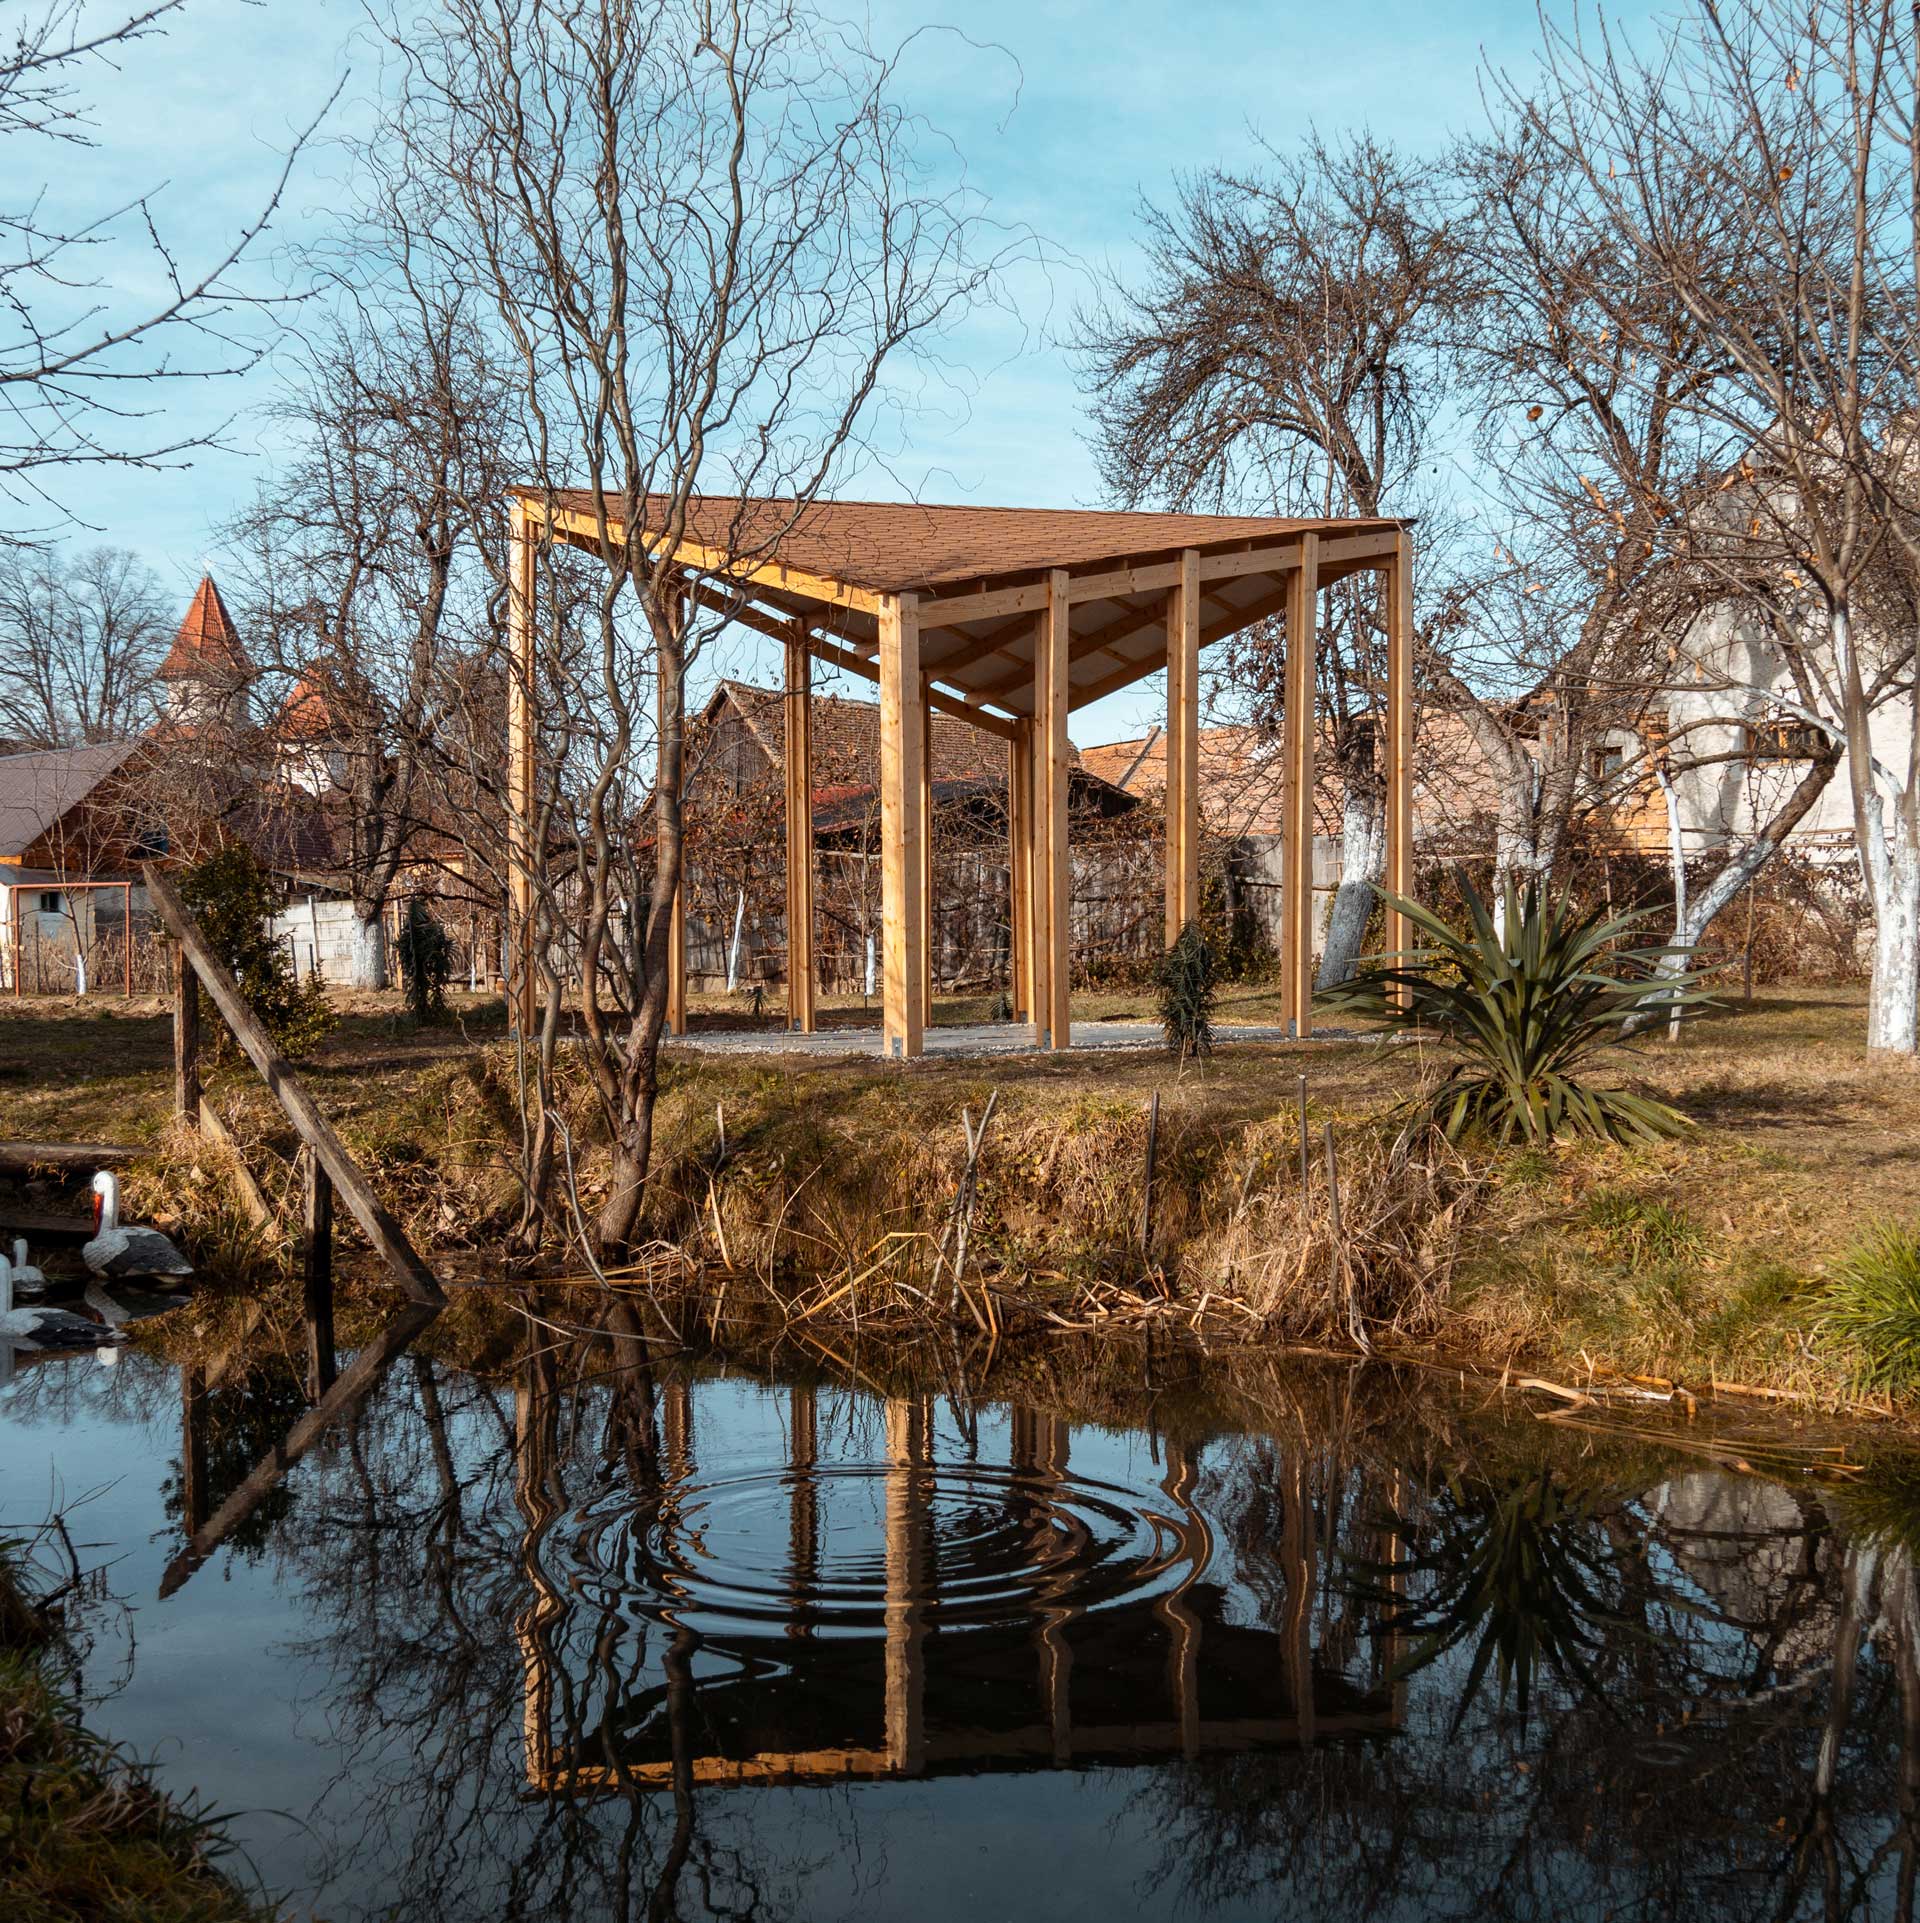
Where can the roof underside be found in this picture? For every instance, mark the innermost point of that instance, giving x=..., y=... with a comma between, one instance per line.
x=980, y=576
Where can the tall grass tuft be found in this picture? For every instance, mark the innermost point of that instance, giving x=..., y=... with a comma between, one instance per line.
x=1871, y=1302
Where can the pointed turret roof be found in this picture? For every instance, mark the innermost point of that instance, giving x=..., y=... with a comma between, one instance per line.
x=208, y=643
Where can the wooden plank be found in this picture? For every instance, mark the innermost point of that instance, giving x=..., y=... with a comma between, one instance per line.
x=1182, y=852
x=961, y=709
x=1230, y=621
x=1303, y=609
x=926, y=858
x=900, y=826
x=68, y=1158
x=1020, y=870
x=799, y=773
x=984, y=604
x=186, y=1039
x=1053, y=755
x=381, y=1230
x=522, y=989
x=1399, y=586
x=316, y=1266
x=252, y=1197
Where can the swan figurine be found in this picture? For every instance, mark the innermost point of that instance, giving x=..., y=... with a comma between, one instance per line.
x=41, y=1328
x=26, y=1277
x=126, y=1250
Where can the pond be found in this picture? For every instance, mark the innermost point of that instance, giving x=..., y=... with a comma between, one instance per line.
x=608, y=1635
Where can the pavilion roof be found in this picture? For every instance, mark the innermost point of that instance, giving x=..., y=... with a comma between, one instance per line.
x=981, y=578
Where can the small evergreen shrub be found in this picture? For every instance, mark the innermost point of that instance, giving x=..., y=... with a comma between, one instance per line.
x=232, y=899
x=426, y=962
x=1872, y=1303
x=1185, y=981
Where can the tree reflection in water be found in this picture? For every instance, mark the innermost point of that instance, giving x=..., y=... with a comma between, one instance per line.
x=617, y=1637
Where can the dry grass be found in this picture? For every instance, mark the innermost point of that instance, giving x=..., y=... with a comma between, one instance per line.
x=782, y=1180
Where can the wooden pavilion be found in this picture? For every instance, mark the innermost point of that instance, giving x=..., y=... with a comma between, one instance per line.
x=1010, y=618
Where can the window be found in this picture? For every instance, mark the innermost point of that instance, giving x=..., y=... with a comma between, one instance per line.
x=49, y=901
x=1607, y=763
x=1788, y=741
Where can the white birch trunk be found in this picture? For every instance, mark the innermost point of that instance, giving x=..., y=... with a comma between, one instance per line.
x=367, y=963
x=1363, y=860
x=1893, y=1004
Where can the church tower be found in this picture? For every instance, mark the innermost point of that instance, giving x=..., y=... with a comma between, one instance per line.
x=205, y=675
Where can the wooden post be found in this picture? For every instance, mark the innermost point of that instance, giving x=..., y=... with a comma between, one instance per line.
x=1020, y=868
x=907, y=1576
x=1052, y=758
x=800, y=970
x=126, y=931
x=521, y=733
x=317, y=1272
x=901, y=829
x=677, y=958
x=186, y=1038
x=803, y=1512
x=376, y=1223
x=1399, y=738
x=1183, y=749
x=1296, y=901
x=926, y=856
x=193, y=1448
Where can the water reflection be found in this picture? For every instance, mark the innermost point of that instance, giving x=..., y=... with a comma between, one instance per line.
x=614, y=1635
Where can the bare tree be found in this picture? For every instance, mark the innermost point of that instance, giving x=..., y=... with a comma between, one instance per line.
x=1796, y=126
x=79, y=364
x=371, y=557
x=80, y=640
x=1271, y=358
x=703, y=231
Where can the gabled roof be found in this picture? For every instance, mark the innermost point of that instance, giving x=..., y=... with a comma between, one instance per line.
x=305, y=714
x=40, y=788
x=208, y=643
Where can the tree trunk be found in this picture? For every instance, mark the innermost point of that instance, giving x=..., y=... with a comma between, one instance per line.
x=1893, y=1007
x=367, y=967
x=1363, y=860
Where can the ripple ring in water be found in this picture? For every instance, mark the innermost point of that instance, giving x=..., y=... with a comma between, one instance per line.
x=973, y=1545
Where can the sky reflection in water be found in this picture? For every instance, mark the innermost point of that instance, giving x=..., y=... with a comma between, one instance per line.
x=648, y=1640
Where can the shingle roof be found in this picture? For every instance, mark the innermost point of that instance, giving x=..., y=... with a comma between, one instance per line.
x=895, y=547
x=41, y=787
x=208, y=643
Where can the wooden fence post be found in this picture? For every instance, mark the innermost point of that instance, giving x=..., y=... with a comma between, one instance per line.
x=186, y=1038
x=318, y=1275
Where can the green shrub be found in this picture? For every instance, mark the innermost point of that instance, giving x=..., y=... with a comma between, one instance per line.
x=426, y=962
x=1530, y=1007
x=1185, y=981
x=232, y=899
x=1871, y=1301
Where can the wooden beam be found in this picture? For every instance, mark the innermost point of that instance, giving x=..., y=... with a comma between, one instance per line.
x=521, y=736
x=906, y=1586
x=1231, y=621
x=1020, y=870
x=252, y=1197
x=984, y=604
x=1052, y=755
x=69, y=1158
x=1399, y=586
x=1297, y=891
x=799, y=771
x=186, y=1038
x=316, y=1259
x=677, y=958
x=961, y=710
x=926, y=857
x=1182, y=851
x=901, y=829
x=387, y=1237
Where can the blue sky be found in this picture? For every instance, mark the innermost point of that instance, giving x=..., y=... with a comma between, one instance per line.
x=1063, y=113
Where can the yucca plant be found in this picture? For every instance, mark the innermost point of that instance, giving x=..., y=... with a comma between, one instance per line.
x=1530, y=1004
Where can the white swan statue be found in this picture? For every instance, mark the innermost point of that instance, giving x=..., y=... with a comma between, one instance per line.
x=118, y=1249
x=26, y=1278
x=42, y=1328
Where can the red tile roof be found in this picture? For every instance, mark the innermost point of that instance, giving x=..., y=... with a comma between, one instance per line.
x=305, y=714
x=208, y=643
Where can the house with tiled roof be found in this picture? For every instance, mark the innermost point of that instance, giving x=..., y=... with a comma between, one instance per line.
x=736, y=838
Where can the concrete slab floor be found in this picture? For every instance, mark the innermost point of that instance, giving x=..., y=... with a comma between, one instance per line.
x=971, y=1039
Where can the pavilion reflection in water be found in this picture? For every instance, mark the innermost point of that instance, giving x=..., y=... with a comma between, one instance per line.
x=1074, y=1669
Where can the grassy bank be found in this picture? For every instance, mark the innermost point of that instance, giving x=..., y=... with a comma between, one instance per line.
x=85, y=1837
x=819, y=1189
